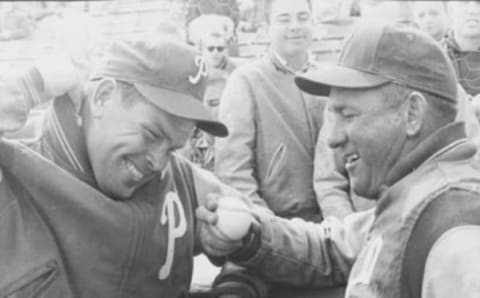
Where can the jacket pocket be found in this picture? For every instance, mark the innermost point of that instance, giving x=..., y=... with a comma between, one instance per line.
x=32, y=284
x=276, y=162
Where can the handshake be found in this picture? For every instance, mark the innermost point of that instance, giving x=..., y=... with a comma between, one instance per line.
x=225, y=221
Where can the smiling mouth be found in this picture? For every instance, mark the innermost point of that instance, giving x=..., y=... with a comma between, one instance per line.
x=133, y=170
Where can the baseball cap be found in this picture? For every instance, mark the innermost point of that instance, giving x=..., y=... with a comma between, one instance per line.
x=167, y=72
x=379, y=53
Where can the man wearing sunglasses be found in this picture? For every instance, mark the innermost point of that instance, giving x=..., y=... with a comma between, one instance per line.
x=211, y=34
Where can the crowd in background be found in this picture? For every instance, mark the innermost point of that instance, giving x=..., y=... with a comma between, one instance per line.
x=276, y=153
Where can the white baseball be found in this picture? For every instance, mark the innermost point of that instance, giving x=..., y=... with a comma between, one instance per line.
x=233, y=218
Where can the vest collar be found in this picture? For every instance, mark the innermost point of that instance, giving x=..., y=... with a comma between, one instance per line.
x=448, y=143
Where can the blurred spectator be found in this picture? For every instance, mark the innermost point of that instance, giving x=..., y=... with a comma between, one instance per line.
x=16, y=23
x=229, y=8
x=211, y=35
x=432, y=17
x=388, y=11
x=201, y=26
x=333, y=10
x=463, y=46
x=168, y=26
x=463, y=43
x=273, y=127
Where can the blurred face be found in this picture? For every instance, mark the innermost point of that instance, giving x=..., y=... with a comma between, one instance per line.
x=431, y=17
x=214, y=50
x=390, y=11
x=466, y=18
x=368, y=134
x=290, y=27
x=129, y=145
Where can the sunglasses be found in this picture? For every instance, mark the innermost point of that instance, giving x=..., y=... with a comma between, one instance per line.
x=219, y=49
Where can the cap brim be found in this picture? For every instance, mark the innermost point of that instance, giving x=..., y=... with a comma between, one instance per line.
x=183, y=105
x=325, y=76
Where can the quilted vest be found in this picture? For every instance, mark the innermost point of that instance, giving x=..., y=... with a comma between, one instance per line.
x=378, y=269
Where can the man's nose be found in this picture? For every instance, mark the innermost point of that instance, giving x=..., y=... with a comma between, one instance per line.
x=336, y=134
x=294, y=24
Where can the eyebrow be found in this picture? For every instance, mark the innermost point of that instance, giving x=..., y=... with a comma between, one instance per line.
x=303, y=13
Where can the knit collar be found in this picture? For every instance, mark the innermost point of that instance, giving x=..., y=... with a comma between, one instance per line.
x=281, y=64
x=65, y=140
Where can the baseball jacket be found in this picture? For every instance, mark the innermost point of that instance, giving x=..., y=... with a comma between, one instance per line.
x=421, y=240
x=60, y=236
x=273, y=130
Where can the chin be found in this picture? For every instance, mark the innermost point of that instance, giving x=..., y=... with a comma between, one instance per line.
x=118, y=193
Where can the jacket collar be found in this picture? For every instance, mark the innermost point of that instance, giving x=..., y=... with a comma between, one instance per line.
x=65, y=140
x=447, y=143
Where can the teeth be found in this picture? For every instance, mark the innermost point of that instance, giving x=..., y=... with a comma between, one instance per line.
x=137, y=175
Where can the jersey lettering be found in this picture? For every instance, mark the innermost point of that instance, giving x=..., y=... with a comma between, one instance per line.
x=172, y=202
x=202, y=70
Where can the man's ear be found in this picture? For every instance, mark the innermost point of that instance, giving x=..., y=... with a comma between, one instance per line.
x=104, y=92
x=417, y=106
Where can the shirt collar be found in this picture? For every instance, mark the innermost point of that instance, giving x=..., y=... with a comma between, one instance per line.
x=282, y=64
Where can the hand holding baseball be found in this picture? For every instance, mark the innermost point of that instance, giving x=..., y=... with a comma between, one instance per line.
x=226, y=220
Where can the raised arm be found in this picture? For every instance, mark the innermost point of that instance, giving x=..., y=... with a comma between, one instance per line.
x=37, y=84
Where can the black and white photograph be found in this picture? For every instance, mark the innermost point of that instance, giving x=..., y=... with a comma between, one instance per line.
x=240, y=149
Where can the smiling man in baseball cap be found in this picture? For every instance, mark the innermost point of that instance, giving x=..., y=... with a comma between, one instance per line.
x=99, y=205
x=393, y=105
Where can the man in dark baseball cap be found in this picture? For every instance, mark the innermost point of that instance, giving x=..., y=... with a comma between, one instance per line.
x=168, y=73
x=392, y=107
x=99, y=205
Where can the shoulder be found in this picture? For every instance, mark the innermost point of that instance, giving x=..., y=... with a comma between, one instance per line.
x=452, y=267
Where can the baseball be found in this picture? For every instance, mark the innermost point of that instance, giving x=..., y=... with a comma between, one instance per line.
x=233, y=218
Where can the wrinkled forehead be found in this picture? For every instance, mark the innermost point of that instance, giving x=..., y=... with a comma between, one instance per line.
x=359, y=98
